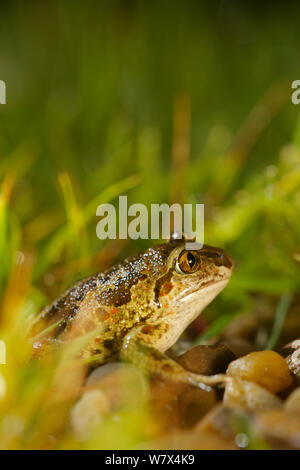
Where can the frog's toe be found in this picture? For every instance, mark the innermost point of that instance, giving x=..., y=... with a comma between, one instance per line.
x=206, y=381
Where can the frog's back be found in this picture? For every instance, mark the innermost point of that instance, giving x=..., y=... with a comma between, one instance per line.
x=108, y=299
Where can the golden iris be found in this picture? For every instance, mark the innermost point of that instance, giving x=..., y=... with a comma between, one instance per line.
x=188, y=262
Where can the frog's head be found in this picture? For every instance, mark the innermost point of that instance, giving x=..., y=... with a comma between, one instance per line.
x=186, y=281
x=192, y=277
x=168, y=282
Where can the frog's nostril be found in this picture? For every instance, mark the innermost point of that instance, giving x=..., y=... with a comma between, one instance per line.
x=219, y=257
x=226, y=260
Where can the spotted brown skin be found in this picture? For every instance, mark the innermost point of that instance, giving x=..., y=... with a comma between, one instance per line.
x=142, y=305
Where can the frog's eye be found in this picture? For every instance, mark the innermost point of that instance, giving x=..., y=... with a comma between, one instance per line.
x=187, y=262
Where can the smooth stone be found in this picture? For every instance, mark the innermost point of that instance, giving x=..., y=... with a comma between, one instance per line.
x=207, y=360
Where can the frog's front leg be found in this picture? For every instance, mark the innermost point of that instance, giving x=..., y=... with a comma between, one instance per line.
x=138, y=349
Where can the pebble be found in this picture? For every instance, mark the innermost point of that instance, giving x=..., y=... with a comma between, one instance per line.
x=213, y=432
x=266, y=368
x=249, y=396
x=207, y=360
x=292, y=403
x=280, y=428
x=291, y=352
x=122, y=383
x=194, y=404
x=108, y=388
x=219, y=421
x=88, y=413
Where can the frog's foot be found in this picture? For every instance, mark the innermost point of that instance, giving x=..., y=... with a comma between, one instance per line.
x=199, y=380
x=180, y=375
x=153, y=362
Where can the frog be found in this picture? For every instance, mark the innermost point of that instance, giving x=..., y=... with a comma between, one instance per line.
x=139, y=308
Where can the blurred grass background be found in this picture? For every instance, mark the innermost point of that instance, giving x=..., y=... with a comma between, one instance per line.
x=162, y=102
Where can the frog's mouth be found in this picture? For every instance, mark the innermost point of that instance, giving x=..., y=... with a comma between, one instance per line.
x=206, y=292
